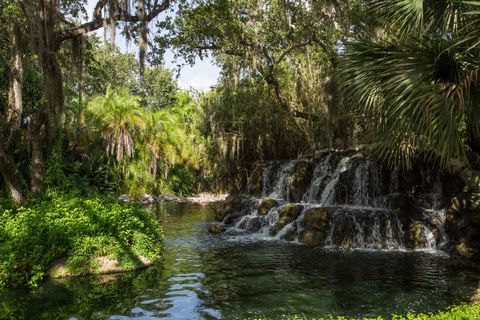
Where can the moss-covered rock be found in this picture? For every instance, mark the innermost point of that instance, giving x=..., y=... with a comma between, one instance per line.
x=232, y=203
x=316, y=224
x=300, y=180
x=286, y=214
x=312, y=237
x=291, y=235
x=266, y=205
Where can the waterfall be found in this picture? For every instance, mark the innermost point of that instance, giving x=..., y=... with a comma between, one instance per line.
x=320, y=172
x=328, y=194
x=346, y=202
x=365, y=228
x=280, y=190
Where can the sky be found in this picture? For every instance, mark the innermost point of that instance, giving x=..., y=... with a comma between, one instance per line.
x=201, y=76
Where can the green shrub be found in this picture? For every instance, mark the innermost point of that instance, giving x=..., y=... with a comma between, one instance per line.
x=35, y=236
x=461, y=312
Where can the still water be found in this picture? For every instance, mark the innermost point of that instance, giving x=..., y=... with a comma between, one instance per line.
x=224, y=277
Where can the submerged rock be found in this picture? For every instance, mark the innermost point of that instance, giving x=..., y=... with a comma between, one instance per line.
x=216, y=228
x=266, y=205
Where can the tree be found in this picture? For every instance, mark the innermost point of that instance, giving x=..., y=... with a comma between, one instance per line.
x=48, y=25
x=417, y=85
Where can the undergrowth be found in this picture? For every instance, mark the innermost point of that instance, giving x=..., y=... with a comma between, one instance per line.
x=77, y=229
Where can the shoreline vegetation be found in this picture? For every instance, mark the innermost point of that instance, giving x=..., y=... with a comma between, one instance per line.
x=459, y=312
x=65, y=235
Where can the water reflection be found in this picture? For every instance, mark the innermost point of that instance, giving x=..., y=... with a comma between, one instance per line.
x=207, y=277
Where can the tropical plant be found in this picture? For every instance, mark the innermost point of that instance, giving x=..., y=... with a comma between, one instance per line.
x=416, y=87
x=119, y=118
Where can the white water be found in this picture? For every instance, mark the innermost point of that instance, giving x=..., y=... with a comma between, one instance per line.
x=363, y=221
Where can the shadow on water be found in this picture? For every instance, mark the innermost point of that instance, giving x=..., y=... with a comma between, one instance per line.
x=213, y=277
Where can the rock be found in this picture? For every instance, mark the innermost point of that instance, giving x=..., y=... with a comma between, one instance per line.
x=476, y=296
x=254, y=224
x=96, y=265
x=291, y=235
x=124, y=198
x=167, y=198
x=405, y=207
x=300, y=180
x=416, y=238
x=216, y=228
x=286, y=214
x=318, y=218
x=312, y=237
x=266, y=205
x=316, y=224
x=231, y=204
x=147, y=199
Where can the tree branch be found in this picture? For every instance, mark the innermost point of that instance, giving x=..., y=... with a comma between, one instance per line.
x=98, y=18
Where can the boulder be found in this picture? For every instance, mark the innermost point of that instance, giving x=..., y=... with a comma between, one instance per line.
x=318, y=218
x=231, y=204
x=300, y=180
x=286, y=214
x=316, y=224
x=416, y=238
x=266, y=205
x=291, y=235
x=216, y=228
x=167, y=198
x=312, y=238
x=147, y=199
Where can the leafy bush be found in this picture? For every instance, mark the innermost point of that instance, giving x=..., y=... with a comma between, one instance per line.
x=34, y=237
x=461, y=312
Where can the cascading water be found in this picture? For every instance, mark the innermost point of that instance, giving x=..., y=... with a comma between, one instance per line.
x=321, y=172
x=346, y=202
x=365, y=228
x=328, y=194
x=280, y=190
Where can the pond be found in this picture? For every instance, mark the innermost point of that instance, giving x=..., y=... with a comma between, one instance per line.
x=228, y=277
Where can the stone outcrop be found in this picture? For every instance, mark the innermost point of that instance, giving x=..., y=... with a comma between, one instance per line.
x=316, y=223
x=266, y=205
x=286, y=214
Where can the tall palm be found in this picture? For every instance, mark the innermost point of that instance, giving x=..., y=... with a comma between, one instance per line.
x=118, y=116
x=417, y=86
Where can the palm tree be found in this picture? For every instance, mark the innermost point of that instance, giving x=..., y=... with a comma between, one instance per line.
x=118, y=115
x=417, y=85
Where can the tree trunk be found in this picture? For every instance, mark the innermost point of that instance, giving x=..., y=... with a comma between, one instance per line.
x=47, y=123
x=12, y=118
x=8, y=170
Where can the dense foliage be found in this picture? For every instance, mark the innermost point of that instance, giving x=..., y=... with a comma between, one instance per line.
x=35, y=236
